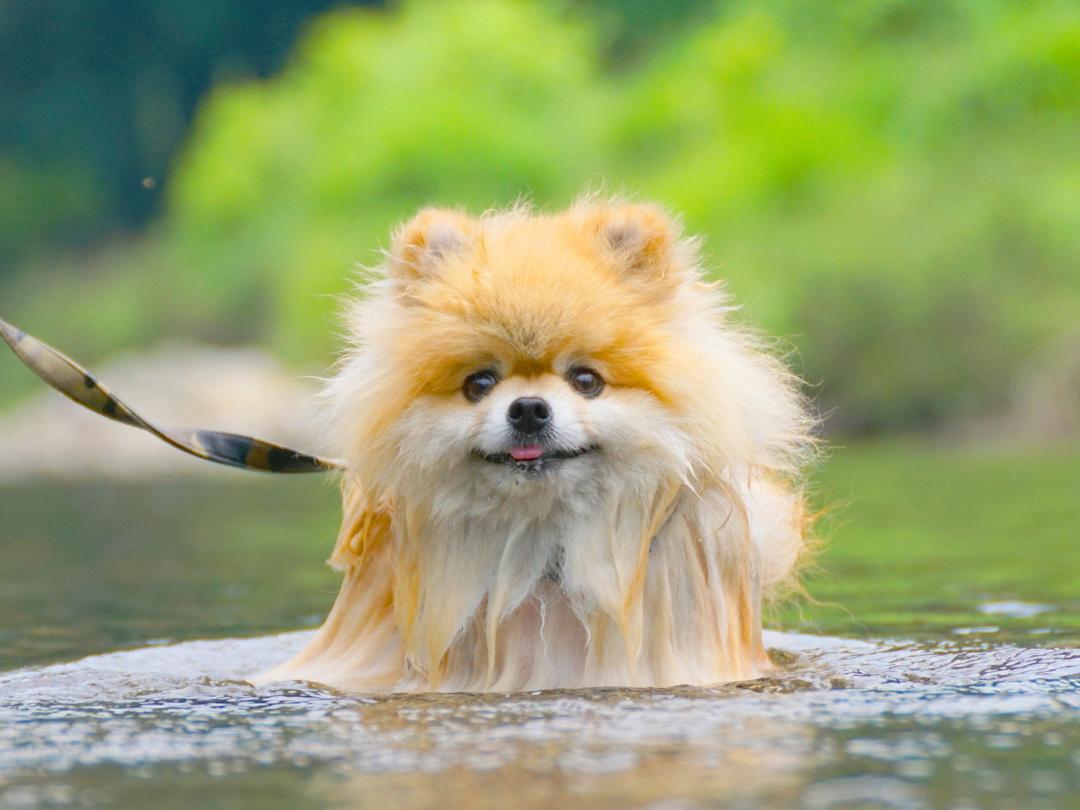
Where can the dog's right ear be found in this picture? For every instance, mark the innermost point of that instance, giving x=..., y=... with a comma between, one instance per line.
x=422, y=243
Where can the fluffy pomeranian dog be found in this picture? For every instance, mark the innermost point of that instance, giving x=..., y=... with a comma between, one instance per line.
x=566, y=466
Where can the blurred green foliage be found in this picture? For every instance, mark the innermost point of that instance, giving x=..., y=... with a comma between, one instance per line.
x=95, y=96
x=893, y=187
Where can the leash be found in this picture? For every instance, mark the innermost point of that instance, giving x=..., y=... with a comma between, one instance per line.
x=230, y=449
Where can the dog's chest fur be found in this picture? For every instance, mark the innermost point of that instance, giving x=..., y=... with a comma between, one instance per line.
x=616, y=590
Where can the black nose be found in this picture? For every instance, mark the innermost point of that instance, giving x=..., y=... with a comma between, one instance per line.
x=528, y=414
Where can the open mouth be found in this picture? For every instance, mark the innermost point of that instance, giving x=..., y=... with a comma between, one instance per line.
x=532, y=456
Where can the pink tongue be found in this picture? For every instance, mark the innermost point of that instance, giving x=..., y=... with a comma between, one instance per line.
x=528, y=452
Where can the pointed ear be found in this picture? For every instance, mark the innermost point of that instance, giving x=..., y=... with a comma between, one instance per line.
x=640, y=237
x=426, y=239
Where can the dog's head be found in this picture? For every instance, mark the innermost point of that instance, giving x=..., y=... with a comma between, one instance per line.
x=527, y=357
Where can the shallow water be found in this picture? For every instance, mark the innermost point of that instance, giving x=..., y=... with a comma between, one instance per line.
x=968, y=719
x=848, y=723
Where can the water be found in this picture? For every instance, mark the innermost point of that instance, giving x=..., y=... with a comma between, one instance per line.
x=848, y=724
x=972, y=719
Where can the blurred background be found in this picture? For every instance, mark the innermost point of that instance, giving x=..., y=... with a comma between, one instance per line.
x=892, y=188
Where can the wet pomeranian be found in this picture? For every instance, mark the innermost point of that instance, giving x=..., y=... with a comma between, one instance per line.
x=566, y=466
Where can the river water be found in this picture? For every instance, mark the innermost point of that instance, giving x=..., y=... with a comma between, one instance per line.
x=167, y=720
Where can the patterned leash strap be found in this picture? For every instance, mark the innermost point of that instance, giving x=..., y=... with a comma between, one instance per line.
x=230, y=449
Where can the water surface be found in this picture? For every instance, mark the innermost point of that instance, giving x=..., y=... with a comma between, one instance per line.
x=979, y=711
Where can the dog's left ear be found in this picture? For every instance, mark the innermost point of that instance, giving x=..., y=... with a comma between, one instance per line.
x=642, y=240
x=427, y=240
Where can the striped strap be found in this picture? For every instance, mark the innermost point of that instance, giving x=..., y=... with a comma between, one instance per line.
x=230, y=449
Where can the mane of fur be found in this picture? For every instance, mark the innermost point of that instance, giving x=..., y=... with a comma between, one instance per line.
x=651, y=572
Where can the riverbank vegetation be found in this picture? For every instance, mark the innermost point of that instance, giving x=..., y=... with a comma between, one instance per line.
x=890, y=187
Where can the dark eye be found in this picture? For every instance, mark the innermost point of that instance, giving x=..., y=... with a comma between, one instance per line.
x=586, y=382
x=479, y=385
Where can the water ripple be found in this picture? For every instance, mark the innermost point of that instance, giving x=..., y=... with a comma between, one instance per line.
x=189, y=705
